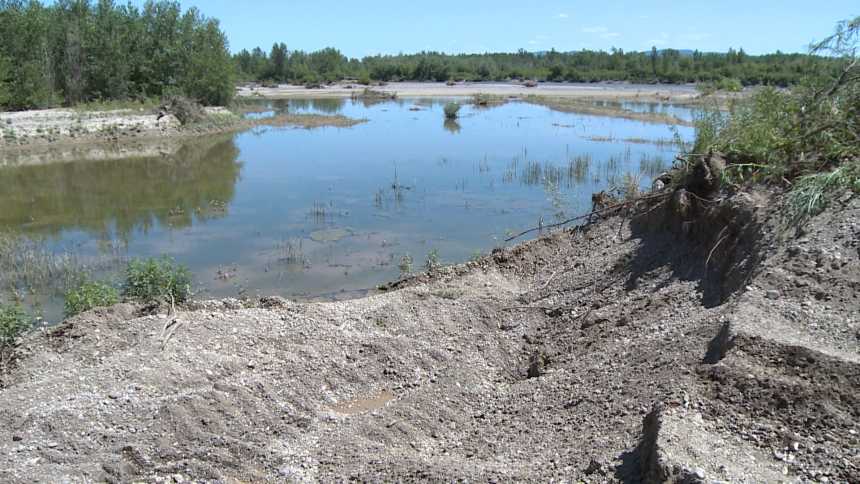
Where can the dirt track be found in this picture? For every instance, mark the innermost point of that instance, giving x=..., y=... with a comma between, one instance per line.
x=739, y=375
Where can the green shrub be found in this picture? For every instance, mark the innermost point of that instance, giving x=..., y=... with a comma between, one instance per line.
x=156, y=280
x=451, y=109
x=89, y=294
x=433, y=262
x=730, y=84
x=14, y=321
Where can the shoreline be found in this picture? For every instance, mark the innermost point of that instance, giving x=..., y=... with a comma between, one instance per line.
x=596, y=92
x=33, y=136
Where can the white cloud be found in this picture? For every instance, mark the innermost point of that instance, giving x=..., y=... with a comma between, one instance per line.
x=609, y=35
x=664, y=35
x=534, y=42
x=595, y=30
x=645, y=16
x=561, y=15
x=656, y=42
x=541, y=36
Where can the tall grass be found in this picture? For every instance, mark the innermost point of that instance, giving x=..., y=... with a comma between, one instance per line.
x=30, y=266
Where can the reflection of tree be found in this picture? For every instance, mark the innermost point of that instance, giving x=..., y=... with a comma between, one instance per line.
x=130, y=193
x=371, y=101
x=324, y=106
x=451, y=126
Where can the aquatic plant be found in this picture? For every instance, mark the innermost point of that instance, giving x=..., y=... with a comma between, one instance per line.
x=451, y=109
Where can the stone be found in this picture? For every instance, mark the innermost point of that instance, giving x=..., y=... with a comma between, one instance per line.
x=699, y=472
x=772, y=294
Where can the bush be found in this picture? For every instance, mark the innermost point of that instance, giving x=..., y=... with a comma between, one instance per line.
x=14, y=321
x=451, y=109
x=156, y=280
x=89, y=294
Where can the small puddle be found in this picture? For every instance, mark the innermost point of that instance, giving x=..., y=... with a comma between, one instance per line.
x=367, y=403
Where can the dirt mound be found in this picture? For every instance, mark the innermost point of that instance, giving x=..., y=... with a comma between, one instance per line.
x=640, y=348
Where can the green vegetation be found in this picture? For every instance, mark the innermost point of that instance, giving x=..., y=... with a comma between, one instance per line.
x=433, y=262
x=451, y=109
x=14, y=321
x=807, y=138
x=156, y=280
x=730, y=71
x=79, y=51
x=90, y=294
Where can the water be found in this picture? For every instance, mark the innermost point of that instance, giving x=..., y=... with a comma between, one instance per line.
x=330, y=213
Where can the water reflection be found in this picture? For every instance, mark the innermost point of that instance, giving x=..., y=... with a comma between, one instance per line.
x=196, y=180
x=451, y=126
x=323, y=106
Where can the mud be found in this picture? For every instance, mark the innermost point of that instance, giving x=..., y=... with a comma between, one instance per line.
x=635, y=349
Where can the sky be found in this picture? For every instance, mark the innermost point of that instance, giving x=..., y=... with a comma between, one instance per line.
x=361, y=28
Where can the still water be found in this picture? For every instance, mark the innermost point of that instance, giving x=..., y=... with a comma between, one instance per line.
x=332, y=212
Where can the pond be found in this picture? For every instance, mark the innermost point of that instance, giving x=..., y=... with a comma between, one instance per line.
x=332, y=212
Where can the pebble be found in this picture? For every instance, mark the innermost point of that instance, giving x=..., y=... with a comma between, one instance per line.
x=699, y=472
x=772, y=294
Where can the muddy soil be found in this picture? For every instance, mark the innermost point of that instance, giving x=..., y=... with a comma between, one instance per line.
x=633, y=349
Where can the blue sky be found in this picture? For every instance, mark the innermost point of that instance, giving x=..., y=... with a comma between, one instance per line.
x=360, y=28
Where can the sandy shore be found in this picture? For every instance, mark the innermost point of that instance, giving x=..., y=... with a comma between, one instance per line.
x=608, y=92
x=41, y=136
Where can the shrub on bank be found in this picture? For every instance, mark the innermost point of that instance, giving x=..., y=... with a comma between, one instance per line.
x=156, y=280
x=14, y=321
x=90, y=294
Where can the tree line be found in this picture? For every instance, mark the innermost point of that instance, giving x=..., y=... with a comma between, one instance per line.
x=733, y=69
x=77, y=51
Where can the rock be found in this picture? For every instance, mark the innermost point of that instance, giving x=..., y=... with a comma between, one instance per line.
x=699, y=473
x=772, y=294
x=17, y=438
x=113, y=395
x=593, y=467
x=536, y=364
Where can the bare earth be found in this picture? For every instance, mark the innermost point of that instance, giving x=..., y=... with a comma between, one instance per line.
x=635, y=349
